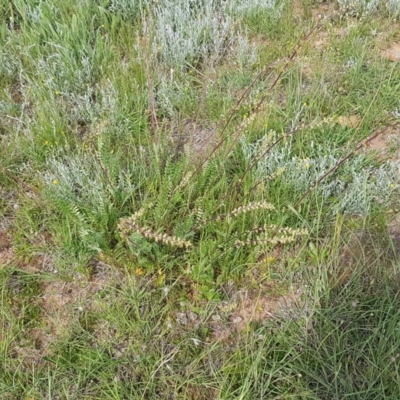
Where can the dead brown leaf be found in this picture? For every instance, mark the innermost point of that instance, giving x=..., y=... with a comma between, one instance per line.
x=352, y=121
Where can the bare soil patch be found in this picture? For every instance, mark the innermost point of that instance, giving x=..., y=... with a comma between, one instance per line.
x=387, y=145
x=6, y=250
x=259, y=307
x=195, y=138
x=367, y=247
x=321, y=40
x=249, y=306
x=62, y=303
x=393, y=52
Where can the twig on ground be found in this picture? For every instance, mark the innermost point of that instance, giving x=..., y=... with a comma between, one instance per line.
x=19, y=181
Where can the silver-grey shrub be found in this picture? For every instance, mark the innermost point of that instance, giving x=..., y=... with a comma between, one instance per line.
x=246, y=7
x=186, y=31
x=82, y=193
x=392, y=7
x=356, y=188
x=128, y=8
x=184, y=34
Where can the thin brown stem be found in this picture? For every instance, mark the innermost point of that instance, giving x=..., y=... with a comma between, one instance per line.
x=150, y=91
x=277, y=79
x=258, y=106
x=19, y=181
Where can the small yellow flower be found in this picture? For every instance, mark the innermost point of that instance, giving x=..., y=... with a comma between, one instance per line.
x=57, y=92
x=46, y=142
x=139, y=271
x=391, y=185
x=161, y=278
x=55, y=181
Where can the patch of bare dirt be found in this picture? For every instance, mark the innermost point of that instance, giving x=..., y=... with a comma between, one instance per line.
x=341, y=33
x=243, y=307
x=62, y=303
x=394, y=233
x=6, y=250
x=387, y=145
x=367, y=247
x=298, y=9
x=29, y=355
x=321, y=40
x=307, y=68
x=321, y=11
x=259, y=307
x=251, y=306
x=195, y=138
x=325, y=10
x=202, y=393
x=260, y=299
x=392, y=53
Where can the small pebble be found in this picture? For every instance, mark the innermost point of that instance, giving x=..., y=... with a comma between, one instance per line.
x=192, y=316
x=181, y=318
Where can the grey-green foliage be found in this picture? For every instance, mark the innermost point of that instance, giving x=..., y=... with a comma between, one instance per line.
x=139, y=8
x=246, y=7
x=197, y=33
x=128, y=8
x=89, y=190
x=186, y=31
x=9, y=65
x=392, y=7
x=356, y=188
x=182, y=34
x=62, y=57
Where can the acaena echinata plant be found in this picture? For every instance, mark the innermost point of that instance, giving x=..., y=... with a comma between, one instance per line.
x=223, y=126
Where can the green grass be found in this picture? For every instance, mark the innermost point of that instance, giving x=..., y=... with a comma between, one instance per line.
x=136, y=263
